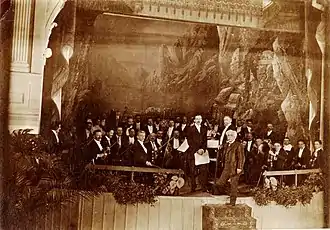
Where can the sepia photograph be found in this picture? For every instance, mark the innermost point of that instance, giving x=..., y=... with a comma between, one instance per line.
x=164, y=114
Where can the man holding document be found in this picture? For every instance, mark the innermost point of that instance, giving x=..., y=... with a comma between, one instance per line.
x=233, y=162
x=197, y=157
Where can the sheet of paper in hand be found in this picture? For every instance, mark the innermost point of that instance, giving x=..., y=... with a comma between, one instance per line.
x=184, y=146
x=202, y=159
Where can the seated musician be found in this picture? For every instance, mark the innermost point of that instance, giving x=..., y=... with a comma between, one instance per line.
x=154, y=150
x=278, y=157
x=140, y=152
x=173, y=157
x=118, y=151
x=94, y=152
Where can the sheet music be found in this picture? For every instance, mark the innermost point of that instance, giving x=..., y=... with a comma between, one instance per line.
x=184, y=146
x=202, y=159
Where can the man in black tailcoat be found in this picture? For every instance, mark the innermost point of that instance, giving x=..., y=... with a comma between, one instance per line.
x=197, y=140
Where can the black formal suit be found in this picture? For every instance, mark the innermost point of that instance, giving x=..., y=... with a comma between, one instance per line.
x=155, y=153
x=140, y=156
x=85, y=136
x=118, y=152
x=146, y=129
x=175, y=160
x=233, y=159
x=91, y=153
x=273, y=136
x=54, y=145
x=248, y=161
x=303, y=160
x=318, y=161
x=183, y=130
x=196, y=140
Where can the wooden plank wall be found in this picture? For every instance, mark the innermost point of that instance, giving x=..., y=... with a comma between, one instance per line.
x=174, y=213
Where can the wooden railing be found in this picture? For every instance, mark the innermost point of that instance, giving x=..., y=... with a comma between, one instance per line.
x=133, y=169
x=292, y=172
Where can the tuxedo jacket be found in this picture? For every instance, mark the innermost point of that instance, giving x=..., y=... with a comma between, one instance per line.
x=273, y=136
x=281, y=162
x=305, y=157
x=139, y=155
x=53, y=145
x=234, y=158
x=146, y=129
x=91, y=151
x=196, y=140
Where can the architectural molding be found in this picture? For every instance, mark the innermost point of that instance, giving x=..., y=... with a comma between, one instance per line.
x=21, y=48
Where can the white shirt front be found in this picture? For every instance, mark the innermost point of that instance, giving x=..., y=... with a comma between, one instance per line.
x=119, y=140
x=150, y=128
x=108, y=139
x=198, y=127
x=159, y=141
x=99, y=144
x=153, y=145
x=300, y=152
x=176, y=143
x=169, y=132
x=138, y=126
x=131, y=140
x=56, y=136
x=316, y=152
x=157, y=126
x=144, y=148
x=183, y=126
x=249, y=146
x=127, y=130
x=269, y=132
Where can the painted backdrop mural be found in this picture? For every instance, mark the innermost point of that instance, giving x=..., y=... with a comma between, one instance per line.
x=143, y=64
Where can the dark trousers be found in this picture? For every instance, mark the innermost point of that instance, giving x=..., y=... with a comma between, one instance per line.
x=200, y=171
x=221, y=182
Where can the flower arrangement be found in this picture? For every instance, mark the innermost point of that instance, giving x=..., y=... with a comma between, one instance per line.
x=288, y=195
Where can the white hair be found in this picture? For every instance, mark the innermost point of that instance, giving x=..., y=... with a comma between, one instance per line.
x=232, y=131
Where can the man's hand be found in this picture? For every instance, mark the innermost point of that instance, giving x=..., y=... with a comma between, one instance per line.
x=148, y=163
x=200, y=151
x=239, y=171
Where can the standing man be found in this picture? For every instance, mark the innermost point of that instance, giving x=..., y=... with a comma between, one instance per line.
x=233, y=159
x=197, y=141
x=227, y=123
x=140, y=151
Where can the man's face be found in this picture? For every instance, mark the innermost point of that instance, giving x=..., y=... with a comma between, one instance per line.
x=138, y=119
x=269, y=127
x=150, y=121
x=239, y=123
x=198, y=120
x=119, y=131
x=74, y=129
x=317, y=145
x=277, y=146
x=98, y=136
x=152, y=137
x=158, y=120
x=98, y=121
x=130, y=121
x=176, y=134
x=178, y=120
x=111, y=132
x=132, y=133
x=231, y=136
x=286, y=141
x=184, y=120
x=141, y=136
x=301, y=144
x=258, y=142
x=89, y=125
x=249, y=123
x=171, y=123
x=103, y=122
x=249, y=136
x=117, y=115
x=160, y=134
x=226, y=121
